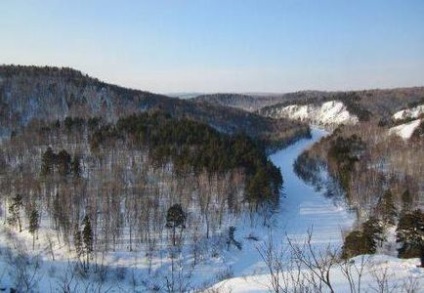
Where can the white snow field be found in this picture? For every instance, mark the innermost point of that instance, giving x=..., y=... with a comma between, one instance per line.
x=50, y=267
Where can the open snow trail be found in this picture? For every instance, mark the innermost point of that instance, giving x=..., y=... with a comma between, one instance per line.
x=302, y=208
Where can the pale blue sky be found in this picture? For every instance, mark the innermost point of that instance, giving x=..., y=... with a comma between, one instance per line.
x=222, y=45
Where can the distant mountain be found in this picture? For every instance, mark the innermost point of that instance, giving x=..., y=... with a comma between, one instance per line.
x=50, y=93
x=246, y=102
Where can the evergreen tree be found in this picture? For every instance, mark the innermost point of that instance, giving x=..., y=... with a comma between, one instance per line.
x=47, y=162
x=76, y=166
x=78, y=242
x=87, y=238
x=64, y=162
x=15, y=212
x=410, y=235
x=175, y=217
x=83, y=242
x=365, y=241
x=387, y=209
x=34, y=224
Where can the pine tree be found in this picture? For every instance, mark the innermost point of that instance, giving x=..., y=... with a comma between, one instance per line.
x=34, y=224
x=15, y=211
x=76, y=167
x=87, y=237
x=175, y=217
x=48, y=161
x=410, y=235
x=64, y=162
x=387, y=208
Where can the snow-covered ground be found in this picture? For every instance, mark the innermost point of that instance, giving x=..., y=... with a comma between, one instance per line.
x=409, y=113
x=328, y=113
x=381, y=273
x=50, y=267
x=405, y=130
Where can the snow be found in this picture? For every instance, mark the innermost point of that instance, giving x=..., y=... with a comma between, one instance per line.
x=383, y=272
x=221, y=268
x=328, y=113
x=405, y=130
x=409, y=113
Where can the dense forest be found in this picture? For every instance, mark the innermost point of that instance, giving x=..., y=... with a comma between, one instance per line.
x=122, y=178
x=51, y=93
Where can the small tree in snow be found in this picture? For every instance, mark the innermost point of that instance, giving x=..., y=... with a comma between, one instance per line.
x=34, y=224
x=175, y=217
x=83, y=241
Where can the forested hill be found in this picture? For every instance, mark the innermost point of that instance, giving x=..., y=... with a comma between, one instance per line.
x=246, y=102
x=50, y=93
x=377, y=103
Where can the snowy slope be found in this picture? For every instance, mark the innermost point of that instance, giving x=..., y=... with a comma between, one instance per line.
x=381, y=273
x=328, y=113
x=405, y=130
x=409, y=113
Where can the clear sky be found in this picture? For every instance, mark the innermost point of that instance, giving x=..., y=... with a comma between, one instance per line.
x=222, y=45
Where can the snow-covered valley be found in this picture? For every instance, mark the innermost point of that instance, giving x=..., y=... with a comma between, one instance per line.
x=208, y=265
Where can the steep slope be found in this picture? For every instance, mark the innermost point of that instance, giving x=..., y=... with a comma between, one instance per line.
x=49, y=93
x=328, y=113
x=406, y=130
x=410, y=113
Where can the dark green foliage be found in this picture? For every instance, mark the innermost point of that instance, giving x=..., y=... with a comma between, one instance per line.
x=357, y=243
x=410, y=234
x=14, y=212
x=373, y=229
x=76, y=166
x=48, y=161
x=386, y=208
x=61, y=162
x=75, y=123
x=195, y=147
x=78, y=242
x=363, y=242
x=175, y=217
x=343, y=154
x=87, y=236
x=83, y=242
x=34, y=223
